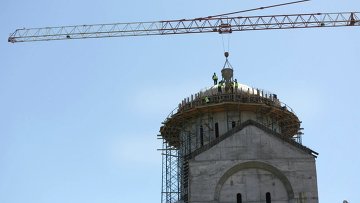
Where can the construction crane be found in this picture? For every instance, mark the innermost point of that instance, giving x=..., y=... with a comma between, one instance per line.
x=218, y=23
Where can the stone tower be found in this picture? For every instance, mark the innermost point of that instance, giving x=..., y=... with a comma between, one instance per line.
x=231, y=143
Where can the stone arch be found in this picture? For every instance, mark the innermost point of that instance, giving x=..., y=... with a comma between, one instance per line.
x=254, y=165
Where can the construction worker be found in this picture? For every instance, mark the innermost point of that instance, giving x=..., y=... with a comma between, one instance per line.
x=215, y=78
x=236, y=85
x=219, y=87
x=207, y=100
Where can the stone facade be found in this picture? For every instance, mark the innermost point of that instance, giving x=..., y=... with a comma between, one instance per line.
x=253, y=163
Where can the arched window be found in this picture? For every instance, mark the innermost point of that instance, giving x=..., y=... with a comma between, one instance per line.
x=201, y=135
x=268, y=197
x=216, y=130
x=238, y=198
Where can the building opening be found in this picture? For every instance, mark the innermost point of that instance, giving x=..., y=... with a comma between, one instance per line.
x=233, y=124
x=201, y=135
x=238, y=198
x=216, y=130
x=268, y=197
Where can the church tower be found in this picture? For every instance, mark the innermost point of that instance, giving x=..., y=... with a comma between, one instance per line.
x=232, y=143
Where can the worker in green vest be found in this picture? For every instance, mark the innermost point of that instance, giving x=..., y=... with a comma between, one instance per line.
x=220, y=87
x=207, y=100
x=215, y=78
x=236, y=85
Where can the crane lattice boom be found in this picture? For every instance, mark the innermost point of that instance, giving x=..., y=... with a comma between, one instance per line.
x=184, y=26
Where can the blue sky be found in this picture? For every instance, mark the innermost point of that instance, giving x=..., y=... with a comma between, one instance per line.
x=79, y=118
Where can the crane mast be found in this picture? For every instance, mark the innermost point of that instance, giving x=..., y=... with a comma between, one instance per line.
x=185, y=26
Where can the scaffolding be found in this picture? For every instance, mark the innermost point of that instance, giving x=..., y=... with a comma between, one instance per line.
x=170, y=192
x=175, y=170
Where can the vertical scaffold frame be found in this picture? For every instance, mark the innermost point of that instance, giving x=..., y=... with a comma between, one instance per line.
x=170, y=191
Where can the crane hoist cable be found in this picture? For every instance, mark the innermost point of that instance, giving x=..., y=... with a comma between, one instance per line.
x=226, y=39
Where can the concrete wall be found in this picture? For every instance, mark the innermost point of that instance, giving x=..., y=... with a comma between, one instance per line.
x=224, y=120
x=253, y=162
